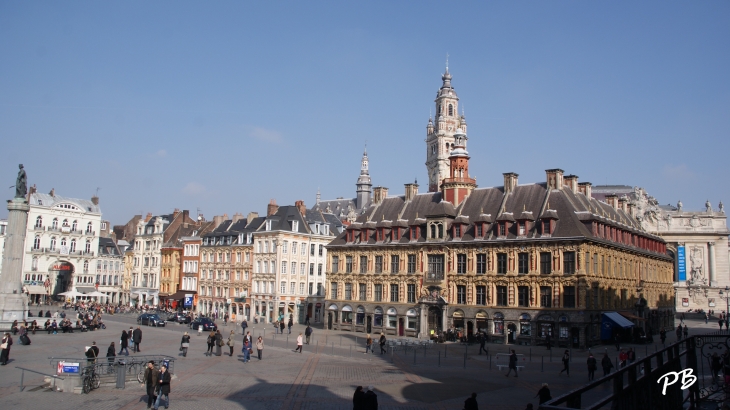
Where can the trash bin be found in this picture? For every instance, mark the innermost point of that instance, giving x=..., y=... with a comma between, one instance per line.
x=121, y=373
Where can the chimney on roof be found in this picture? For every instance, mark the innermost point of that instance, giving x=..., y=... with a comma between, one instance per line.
x=612, y=199
x=379, y=193
x=237, y=217
x=175, y=213
x=571, y=181
x=225, y=217
x=623, y=203
x=272, y=208
x=554, y=178
x=251, y=216
x=632, y=208
x=586, y=188
x=148, y=217
x=217, y=220
x=186, y=215
x=301, y=207
x=95, y=200
x=510, y=182
x=411, y=191
x=53, y=192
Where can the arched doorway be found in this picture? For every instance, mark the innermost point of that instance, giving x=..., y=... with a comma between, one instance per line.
x=511, y=331
x=401, y=325
x=369, y=325
x=329, y=320
x=435, y=320
x=63, y=273
x=469, y=329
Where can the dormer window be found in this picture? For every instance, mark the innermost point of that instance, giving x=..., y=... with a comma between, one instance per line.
x=414, y=233
x=295, y=226
x=546, y=227
x=326, y=229
x=502, y=229
x=268, y=225
x=457, y=231
x=479, y=228
x=229, y=240
x=436, y=230
x=521, y=229
x=249, y=238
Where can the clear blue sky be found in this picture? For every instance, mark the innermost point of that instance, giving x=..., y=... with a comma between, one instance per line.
x=224, y=105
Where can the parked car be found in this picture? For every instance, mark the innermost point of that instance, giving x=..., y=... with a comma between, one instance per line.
x=205, y=322
x=150, y=319
x=179, y=318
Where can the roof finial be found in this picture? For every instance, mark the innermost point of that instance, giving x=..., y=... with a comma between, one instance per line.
x=447, y=62
x=524, y=207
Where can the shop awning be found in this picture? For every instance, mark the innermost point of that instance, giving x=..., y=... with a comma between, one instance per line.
x=86, y=289
x=36, y=289
x=617, y=319
x=180, y=294
x=630, y=316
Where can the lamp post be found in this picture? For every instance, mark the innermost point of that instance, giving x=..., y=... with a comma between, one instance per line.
x=726, y=295
x=640, y=306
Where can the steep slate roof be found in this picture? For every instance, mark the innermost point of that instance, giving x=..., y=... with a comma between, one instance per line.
x=40, y=199
x=107, y=247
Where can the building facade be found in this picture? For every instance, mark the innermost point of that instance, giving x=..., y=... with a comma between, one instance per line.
x=3, y=233
x=110, y=271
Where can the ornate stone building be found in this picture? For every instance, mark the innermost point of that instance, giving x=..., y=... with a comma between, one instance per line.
x=348, y=209
x=518, y=262
x=110, y=270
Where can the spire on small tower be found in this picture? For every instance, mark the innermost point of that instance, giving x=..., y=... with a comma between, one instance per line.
x=447, y=62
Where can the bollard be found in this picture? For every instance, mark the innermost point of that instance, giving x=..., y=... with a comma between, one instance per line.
x=542, y=363
x=287, y=341
x=439, y=359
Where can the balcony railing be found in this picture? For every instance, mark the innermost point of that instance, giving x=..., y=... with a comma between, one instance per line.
x=434, y=277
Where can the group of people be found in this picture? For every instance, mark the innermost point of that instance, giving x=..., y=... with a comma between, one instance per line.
x=365, y=400
x=133, y=336
x=279, y=324
x=157, y=383
x=369, y=344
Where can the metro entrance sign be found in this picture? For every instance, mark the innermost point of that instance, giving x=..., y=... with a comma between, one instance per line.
x=64, y=367
x=188, y=300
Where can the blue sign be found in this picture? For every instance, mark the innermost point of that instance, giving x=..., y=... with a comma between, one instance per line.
x=681, y=264
x=188, y=301
x=68, y=367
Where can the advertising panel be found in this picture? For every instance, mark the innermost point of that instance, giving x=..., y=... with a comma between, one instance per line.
x=681, y=264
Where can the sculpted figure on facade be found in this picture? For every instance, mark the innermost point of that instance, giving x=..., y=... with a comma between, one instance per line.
x=708, y=206
x=696, y=272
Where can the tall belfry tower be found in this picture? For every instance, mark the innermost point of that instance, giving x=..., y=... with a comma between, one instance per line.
x=364, y=184
x=440, y=135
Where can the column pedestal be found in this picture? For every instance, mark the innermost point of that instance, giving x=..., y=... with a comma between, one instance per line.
x=13, y=302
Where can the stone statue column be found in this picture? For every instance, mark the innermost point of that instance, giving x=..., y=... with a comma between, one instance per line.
x=711, y=257
x=13, y=302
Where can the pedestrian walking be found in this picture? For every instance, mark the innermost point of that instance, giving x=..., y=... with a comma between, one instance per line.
x=123, y=343
x=211, y=342
x=679, y=332
x=308, y=333
x=663, y=336
x=371, y=399
x=358, y=399
x=482, y=341
x=707, y=317
x=622, y=357
x=200, y=329
x=244, y=325
x=471, y=403
x=290, y=324
x=547, y=341
x=512, y=363
x=260, y=346
x=137, y=338
x=231, y=341
x=681, y=318
x=607, y=364
x=566, y=363
x=719, y=322
x=276, y=327
x=163, y=387
x=218, y=343
x=246, y=351
x=5, y=346
x=631, y=355
x=111, y=353
x=299, y=343
x=382, y=343
x=281, y=326
x=592, y=366
x=184, y=344
x=248, y=338
x=151, y=376
x=544, y=393
x=368, y=344
x=306, y=320
x=685, y=331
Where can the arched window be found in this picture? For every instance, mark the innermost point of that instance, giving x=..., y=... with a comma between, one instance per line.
x=441, y=109
x=451, y=110
x=88, y=227
x=88, y=247
x=35, y=263
x=73, y=245
x=65, y=223
x=53, y=243
x=39, y=222
x=54, y=224
x=37, y=242
x=86, y=266
x=74, y=225
x=63, y=242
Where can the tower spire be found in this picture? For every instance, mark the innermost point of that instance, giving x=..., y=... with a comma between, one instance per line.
x=447, y=62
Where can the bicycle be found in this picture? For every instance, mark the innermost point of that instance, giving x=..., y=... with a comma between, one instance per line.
x=90, y=380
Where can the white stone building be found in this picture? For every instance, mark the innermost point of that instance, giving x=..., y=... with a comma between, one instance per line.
x=61, y=245
x=3, y=233
x=110, y=270
x=146, y=264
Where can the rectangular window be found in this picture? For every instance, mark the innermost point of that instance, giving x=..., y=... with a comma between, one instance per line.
x=293, y=268
x=311, y=249
x=411, y=263
x=348, y=291
x=378, y=264
x=435, y=267
x=294, y=248
x=283, y=287
x=301, y=288
x=321, y=250
x=545, y=263
x=363, y=264
x=523, y=296
x=461, y=294
x=292, y=288
x=568, y=263
x=457, y=231
x=481, y=295
x=595, y=263
x=394, y=263
x=411, y=293
x=393, y=292
x=546, y=296
x=569, y=296
x=363, y=288
x=546, y=227
x=479, y=230
x=521, y=228
x=481, y=263
x=461, y=263
x=283, y=268
x=523, y=264
x=284, y=247
x=319, y=269
x=502, y=229
x=501, y=295
x=378, y=293
x=348, y=264
x=335, y=264
x=334, y=290
x=501, y=263
x=311, y=269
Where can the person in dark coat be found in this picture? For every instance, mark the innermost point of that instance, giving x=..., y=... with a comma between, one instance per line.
x=244, y=325
x=663, y=336
x=111, y=353
x=566, y=363
x=218, y=343
x=685, y=332
x=471, y=403
x=547, y=341
x=544, y=393
x=482, y=342
x=382, y=343
x=512, y=363
x=151, y=376
x=92, y=353
x=290, y=324
x=592, y=366
x=281, y=326
x=607, y=364
x=358, y=399
x=137, y=338
x=308, y=333
x=5, y=354
x=371, y=399
x=679, y=332
x=163, y=388
x=123, y=343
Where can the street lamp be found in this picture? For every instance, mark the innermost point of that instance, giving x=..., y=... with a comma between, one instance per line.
x=726, y=295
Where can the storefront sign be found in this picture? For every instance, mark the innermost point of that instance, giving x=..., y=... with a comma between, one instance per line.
x=681, y=264
x=65, y=266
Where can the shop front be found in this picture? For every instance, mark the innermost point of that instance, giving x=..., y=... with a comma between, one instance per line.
x=498, y=331
x=346, y=317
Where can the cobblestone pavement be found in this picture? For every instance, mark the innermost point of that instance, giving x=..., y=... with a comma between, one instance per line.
x=322, y=377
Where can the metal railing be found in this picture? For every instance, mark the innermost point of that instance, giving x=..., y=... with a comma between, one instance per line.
x=22, y=377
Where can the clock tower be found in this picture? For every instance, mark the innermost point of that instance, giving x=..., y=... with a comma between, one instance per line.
x=440, y=133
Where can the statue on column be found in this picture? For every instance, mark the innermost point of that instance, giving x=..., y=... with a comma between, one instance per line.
x=21, y=183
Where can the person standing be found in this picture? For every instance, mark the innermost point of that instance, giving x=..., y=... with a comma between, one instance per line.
x=137, y=338
x=715, y=365
x=123, y=343
x=368, y=344
x=290, y=324
x=663, y=336
x=631, y=355
x=679, y=332
x=184, y=344
x=111, y=353
x=5, y=346
x=260, y=346
x=306, y=320
x=719, y=322
x=607, y=364
x=544, y=393
x=246, y=352
x=211, y=342
x=248, y=338
x=231, y=341
x=382, y=343
x=547, y=341
x=282, y=325
x=482, y=341
x=151, y=376
x=163, y=387
x=592, y=366
x=276, y=327
x=617, y=340
x=685, y=332
x=244, y=325
x=299, y=343
x=358, y=399
x=371, y=399
x=512, y=363
x=92, y=353
x=218, y=343
x=566, y=363
x=622, y=357
x=471, y=403
x=308, y=333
